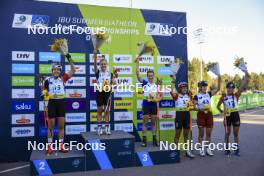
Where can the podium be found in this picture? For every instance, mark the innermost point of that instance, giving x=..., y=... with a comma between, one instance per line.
x=117, y=150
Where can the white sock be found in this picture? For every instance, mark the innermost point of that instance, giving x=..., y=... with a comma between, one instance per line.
x=60, y=140
x=49, y=140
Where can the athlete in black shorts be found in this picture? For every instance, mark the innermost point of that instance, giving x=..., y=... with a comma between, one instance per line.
x=231, y=111
x=55, y=88
x=183, y=106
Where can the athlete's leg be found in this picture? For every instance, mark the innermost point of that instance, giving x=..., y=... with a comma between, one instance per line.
x=154, y=129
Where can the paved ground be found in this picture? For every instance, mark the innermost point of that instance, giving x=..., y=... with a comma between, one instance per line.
x=251, y=162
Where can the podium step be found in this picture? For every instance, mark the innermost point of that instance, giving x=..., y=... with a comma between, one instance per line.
x=42, y=164
x=118, y=152
x=151, y=155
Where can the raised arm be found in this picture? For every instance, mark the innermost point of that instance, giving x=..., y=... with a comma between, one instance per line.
x=95, y=58
x=137, y=71
x=219, y=105
x=244, y=83
x=173, y=81
x=217, y=89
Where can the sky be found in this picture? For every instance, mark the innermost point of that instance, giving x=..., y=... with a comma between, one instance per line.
x=242, y=21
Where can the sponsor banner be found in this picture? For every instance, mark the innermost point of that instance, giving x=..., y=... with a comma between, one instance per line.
x=77, y=57
x=92, y=81
x=124, y=80
x=99, y=57
x=22, y=131
x=166, y=94
x=139, y=115
x=80, y=69
x=167, y=114
x=123, y=70
x=75, y=105
x=161, y=29
x=93, y=116
x=40, y=20
x=122, y=116
x=146, y=59
x=41, y=105
x=50, y=56
x=139, y=126
x=75, y=93
x=145, y=69
x=45, y=68
x=92, y=93
x=167, y=125
x=167, y=103
x=165, y=59
x=123, y=94
x=139, y=104
x=75, y=117
x=23, y=56
x=122, y=58
x=23, y=106
x=164, y=71
x=23, y=93
x=93, y=105
x=76, y=81
x=43, y=131
x=74, y=129
x=92, y=70
x=140, y=94
x=123, y=104
x=21, y=20
x=126, y=127
x=23, y=81
x=93, y=127
x=23, y=68
x=23, y=119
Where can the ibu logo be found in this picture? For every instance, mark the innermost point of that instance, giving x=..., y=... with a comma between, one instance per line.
x=18, y=106
x=75, y=105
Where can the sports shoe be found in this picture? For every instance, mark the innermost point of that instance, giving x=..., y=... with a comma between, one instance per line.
x=209, y=152
x=107, y=130
x=237, y=152
x=189, y=154
x=144, y=142
x=62, y=149
x=201, y=152
x=227, y=152
x=99, y=130
x=49, y=151
x=154, y=140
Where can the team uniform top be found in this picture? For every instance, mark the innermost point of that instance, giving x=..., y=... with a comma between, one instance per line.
x=150, y=88
x=231, y=101
x=56, y=87
x=181, y=101
x=203, y=99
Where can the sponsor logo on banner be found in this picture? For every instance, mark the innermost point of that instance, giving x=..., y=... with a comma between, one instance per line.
x=167, y=103
x=167, y=114
x=23, y=56
x=123, y=104
x=145, y=69
x=92, y=81
x=23, y=68
x=75, y=105
x=77, y=57
x=45, y=68
x=92, y=70
x=93, y=116
x=167, y=126
x=162, y=29
x=20, y=106
x=23, y=81
x=23, y=119
x=122, y=116
x=80, y=69
x=123, y=69
x=123, y=94
x=99, y=57
x=43, y=131
x=122, y=58
x=126, y=127
x=93, y=105
x=75, y=93
x=139, y=115
x=164, y=71
x=139, y=126
x=75, y=129
x=165, y=59
x=139, y=104
x=22, y=131
x=76, y=81
x=21, y=20
x=50, y=56
x=124, y=80
x=93, y=127
x=146, y=59
x=23, y=93
x=41, y=105
x=75, y=117
x=40, y=20
x=166, y=94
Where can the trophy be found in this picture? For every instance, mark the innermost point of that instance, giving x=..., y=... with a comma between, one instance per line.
x=61, y=45
x=240, y=63
x=144, y=48
x=213, y=67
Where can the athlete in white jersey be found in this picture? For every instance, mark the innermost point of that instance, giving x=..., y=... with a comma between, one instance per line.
x=231, y=111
